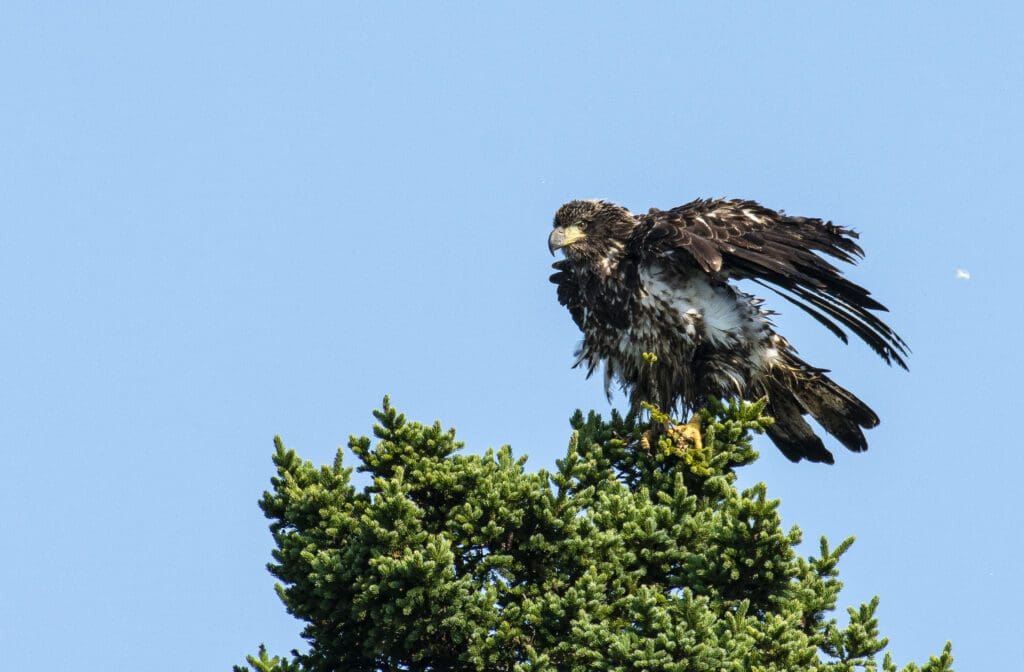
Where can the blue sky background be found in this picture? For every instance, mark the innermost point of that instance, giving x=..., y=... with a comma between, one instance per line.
x=223, y=221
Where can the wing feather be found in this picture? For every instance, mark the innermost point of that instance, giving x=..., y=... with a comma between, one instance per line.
x=742, y=239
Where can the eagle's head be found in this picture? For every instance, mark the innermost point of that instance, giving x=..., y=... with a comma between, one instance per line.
x=591, y=232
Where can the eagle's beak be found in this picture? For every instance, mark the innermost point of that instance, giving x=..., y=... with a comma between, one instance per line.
x=563, y=237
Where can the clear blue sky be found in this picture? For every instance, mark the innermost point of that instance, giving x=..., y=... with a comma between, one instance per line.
x=225, y=221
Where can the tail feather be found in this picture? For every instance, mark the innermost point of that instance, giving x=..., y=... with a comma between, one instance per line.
x=796, y=389
x=790, y=432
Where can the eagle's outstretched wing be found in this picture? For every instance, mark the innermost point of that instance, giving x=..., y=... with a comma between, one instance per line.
x=742, y=239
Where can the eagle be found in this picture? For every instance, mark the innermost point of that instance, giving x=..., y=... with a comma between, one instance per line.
x=656, y=298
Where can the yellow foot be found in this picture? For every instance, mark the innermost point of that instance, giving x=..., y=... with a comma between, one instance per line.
x=647, y=438
x=682, y=435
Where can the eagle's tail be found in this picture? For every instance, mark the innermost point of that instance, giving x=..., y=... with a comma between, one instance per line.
x=796, y=389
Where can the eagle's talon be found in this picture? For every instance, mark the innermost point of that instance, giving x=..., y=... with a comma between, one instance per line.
x=646, y=438
x=687, y=436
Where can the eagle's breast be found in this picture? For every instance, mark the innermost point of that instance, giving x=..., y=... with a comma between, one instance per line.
x=683, y=311
x=705, y=334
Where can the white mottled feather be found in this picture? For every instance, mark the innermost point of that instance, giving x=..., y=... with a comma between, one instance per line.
x=713, y=309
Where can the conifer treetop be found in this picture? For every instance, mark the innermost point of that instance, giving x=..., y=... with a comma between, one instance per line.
x=633, y=554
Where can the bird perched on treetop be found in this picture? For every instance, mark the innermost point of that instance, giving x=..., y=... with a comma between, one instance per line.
x=661, y=284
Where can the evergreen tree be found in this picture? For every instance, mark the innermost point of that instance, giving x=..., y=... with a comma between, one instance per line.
x=637, y=553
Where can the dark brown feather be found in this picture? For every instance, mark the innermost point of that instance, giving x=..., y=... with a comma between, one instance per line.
x=772, y=248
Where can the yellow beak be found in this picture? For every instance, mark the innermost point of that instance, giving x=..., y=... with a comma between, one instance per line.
x=564, y=237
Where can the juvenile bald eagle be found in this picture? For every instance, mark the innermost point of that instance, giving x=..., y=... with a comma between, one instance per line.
x=661, y=283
